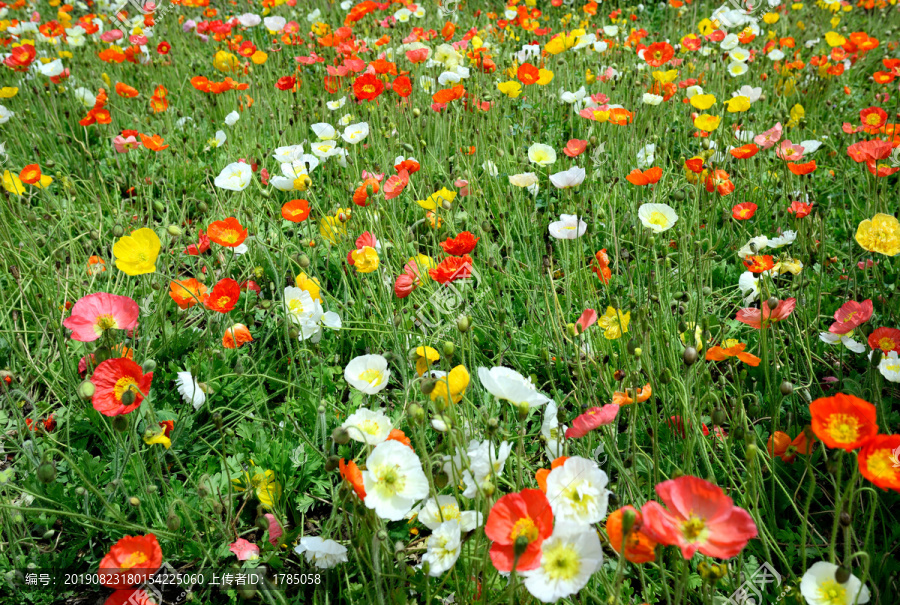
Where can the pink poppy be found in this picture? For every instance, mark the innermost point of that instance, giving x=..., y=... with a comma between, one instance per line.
x=125, y=144
x=575, y=147
x=851, y=315
x=789, y=152
x=463, y=186
x=244, y=550
x=112, y=35
x=396, y=184
x=599, y=98
x=757, y=317
x=264, y=177
x=372, y=175
x=367, y=239
x=275, y=530
x=404, y=285
x=699, y=517
x=587, y=319
x=417, y=56
x=592, y=419
x=96, y=313
x=769, y=137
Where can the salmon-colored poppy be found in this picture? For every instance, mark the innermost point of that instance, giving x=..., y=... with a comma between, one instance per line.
x=235, y=336
x=115, y=377
x=639, y=547
x=187, y=292
x=130, y=561
x=765, y=315
x=850, y=316
x=592, y=419
x=524, y=517
x=843, y=421
x=295, y=211
x=93, y=315
x=229, y=233
x=800, y=209
x=575, y=147
x=395, y=185
x=224, y=296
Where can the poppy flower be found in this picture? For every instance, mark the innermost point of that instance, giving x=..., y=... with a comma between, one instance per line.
x=136, y=253
x=395, y=185
x=130, y=596
x=361, y=195
x=163, y=48
x=719, y=181
x=757, y=317
x=120, y=386
x=575, y=147
x=639, y=547
x=843, y=421
x=352, y=475
x=451, y=269
x=200, y=247
x=235, y=336
x=600, y=266
x=460, y=245
x=229, y=233
x=886, y=339
x=524, y=518
x=732, y=349
x=592, y=419
x=187, y=293
x=878, y=461
x=629, y=396
x=802, y=169
x=658, y=54
x=224, y=296
x=744, y=211
x=528, y=74
x=780, y=444
x=153, y=143
x=873, y=118
x=30, y=174
x=367, y=87
x=699, y=517
x=295, y=211
x=286, y=82
x=800, y=209
x=744, y=152
x=130, y=561
x=448, y=95
x=879, y=234
x=759, y=263
x=865, y=151
x=126, y=91
x=850, y=316
x=402, y=86
x=94, y=314
x=881, y=170
x=647, y=177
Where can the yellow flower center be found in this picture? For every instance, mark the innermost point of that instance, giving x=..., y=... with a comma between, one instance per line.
x=694, y=529
x=389, y=480
x=223, y=301
x=843, y=428
x=881, y=464
x=295, y=305
x=449, y=511
x=886, y=344
x=832, y=593
x=873, y=119
x=105, y=322
x=134, y=559
x=524, y=527
x=659, y=219
x=369, y=426
x=373, y=377
x=230, y=236
x=125, y=383
x=561, y=562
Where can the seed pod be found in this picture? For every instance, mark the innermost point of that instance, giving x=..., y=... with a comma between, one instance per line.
x=786, y=388
x=332, y=463
x=340, y=436
x=86, y=390
x=690, y=356
x=841, y=575
x=46, y=472
x=120, y=423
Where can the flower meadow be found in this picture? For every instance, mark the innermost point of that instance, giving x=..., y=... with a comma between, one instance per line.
x=450, y=302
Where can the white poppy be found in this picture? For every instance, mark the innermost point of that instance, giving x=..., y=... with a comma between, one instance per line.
x=393, y=480
x=572, y=177
x=542, y=155
x=569, y=226
x=442, y=548
x=190, y=390
x=367, y=426
x=577, y=491
x=324, y=554
x=355, y=133
x=367, y=373
x=235, y=177
x=526, y=179
x=569, y=557
x=232, y=118
x=819, y=586
x=504, y=383
x=657, y=217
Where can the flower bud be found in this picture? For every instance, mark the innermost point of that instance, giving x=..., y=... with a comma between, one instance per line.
x=332, y=463
x=46, y=472
x=174, y=231
x=217, y=420
x=340, y=436
x=449, y=349
x=304, y=261
x=520, y=546
x=86, y=390
x=120, y=423
x=382, y=535
x=877, y=354
x=751, y=452
x=417, y=413
x=841, y=575
x=462, y=324
x=135, y=502
x=690, y=356
x=772, y=302
x=148, y=366
x=173, y=521
x=786, y=388
x=118, y=230
x=845, y=519
x=428, y=385
x=488, y=488
x=524, y=408
x=128, y=397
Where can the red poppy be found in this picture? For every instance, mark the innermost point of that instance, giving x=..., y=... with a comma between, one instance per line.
x=229, y=233
x=447, y=95
x=295, y=211
x=224, y=296
x=451, y=269
x=130, y=561
x=129, y=596
x=719, y=181
x=800, y=209
x=865, y=151
x=658, y=54
x=647, y=177
x=523, y=517
x=759, y=263
x=48, y=424
x=886, y=339
x=112, y=380
x=367, y=87
x=695, y=165
x=878, y=461
x=843, y=421
x=461, y=244
x=528, y=74
x=286, y=82
x=850, y=316
x=744, y=151
x=881, y=170
x=163, y=48
x=592, y=419
x=873, y=118
x=361, y=195
x=802, y=169
x=352, y=475
x=30, y=174
x=402, y=86
x=744, y=211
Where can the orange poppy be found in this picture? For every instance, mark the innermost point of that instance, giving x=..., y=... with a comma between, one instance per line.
x=759, y=263
x=398, y=435
x=541, y=474
x=647, y=177
x=31, y=174
x=158, y=104
x=843, y=421
x=630, y=395
x=744, y=151
x=639, y=547
x=658, y=54
x=718, y=353
x=224, y=296
x=878, y=462
x=235, y=336
x=528, y=74
x=781, y=445
x=153, y=143
x=600, y=266
x=229, y=233
x=130, y=561
x=187, y=293
x=95, y=265
x=802, y=169
x=352, y=475
x=126, y=91
x=744, y=211
x=447, y=95
x=295, y=211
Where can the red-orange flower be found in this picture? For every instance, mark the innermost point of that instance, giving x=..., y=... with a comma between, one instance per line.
x=187, y=293
x=352, y=475
x=447, y=95
x=295, y=211
x=600, y=266
x=528, y=74
x=658, y=54
x=802, y=169
x=647, y=177
x=367, y=87
x=235, y=336
x=124, y=90
x=744, y=211
x=402, y=86
x=744, y=151
x=286, y=82
x=886, y=339
x=115, y=377
x=873, y=118
x=629, y=396
x=639, y=547
x=224, y=296
x=718, y=353
x=451, y=269
x=781, y=445
x=154, y=143
x=461, y=244
x=229, y=233
x=31, y=174
x=843, y=421
x=719, y=181
x=878, y=461
x=525, y=514
x=130, y=561
x=759, y=263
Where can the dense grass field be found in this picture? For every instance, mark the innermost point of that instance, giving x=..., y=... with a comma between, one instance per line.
x=473, y=302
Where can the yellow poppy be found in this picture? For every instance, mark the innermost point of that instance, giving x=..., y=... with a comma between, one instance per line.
x=136, y=253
